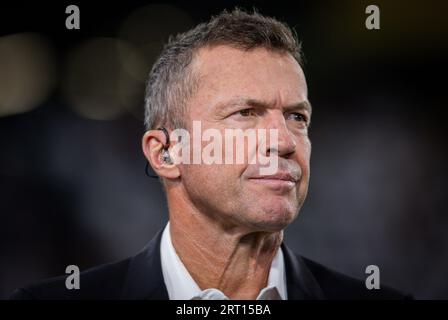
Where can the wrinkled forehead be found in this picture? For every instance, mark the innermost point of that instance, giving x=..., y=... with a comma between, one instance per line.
x=226, y=59
x=262, y=74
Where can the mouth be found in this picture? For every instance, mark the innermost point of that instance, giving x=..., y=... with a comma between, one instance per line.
x=278, y=182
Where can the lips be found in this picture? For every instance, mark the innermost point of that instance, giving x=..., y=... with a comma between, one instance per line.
x=281, y=182
x=280, y=176
x=285, y=179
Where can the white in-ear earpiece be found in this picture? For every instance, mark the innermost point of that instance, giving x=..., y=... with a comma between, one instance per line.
x=165, y=157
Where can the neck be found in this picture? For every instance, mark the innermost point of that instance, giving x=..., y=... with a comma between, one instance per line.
x=232, y=259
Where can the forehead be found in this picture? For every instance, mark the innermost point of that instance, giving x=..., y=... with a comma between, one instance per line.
x=226, y=72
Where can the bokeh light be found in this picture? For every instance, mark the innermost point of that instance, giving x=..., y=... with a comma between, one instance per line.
x=96, y=85
x=27, y=72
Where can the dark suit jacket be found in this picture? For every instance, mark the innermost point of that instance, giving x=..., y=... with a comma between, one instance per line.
x=140, y=277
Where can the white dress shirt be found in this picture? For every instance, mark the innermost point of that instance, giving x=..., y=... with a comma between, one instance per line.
x=181, y=286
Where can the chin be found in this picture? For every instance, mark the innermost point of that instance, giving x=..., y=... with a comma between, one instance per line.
x=274, y=218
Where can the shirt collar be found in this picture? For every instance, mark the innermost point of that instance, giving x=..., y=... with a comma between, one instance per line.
x=181, y=286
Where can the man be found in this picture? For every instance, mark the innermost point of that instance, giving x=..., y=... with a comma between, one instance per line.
x=224, y=240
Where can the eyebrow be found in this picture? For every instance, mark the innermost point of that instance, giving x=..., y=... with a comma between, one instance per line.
x=250, y=102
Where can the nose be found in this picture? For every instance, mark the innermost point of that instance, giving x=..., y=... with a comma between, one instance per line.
x=285, y=145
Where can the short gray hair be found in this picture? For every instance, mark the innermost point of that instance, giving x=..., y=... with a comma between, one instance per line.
x=171, y=80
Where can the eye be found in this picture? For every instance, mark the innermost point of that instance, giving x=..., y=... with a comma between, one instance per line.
x=246, y=112
x=297, y=116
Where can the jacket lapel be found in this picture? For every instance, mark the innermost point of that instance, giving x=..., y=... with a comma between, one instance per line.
x=300, y=282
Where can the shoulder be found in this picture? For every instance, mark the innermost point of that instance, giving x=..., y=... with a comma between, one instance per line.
x=101, y=282
x=336, y=285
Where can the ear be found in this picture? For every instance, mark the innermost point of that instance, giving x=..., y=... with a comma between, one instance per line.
x=152, y=145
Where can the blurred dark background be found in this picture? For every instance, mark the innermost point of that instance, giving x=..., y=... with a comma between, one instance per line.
x=72, y=183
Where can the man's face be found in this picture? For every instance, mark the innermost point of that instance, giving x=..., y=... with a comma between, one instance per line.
x=257, y=89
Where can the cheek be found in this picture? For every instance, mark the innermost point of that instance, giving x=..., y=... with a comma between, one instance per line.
x=198, y=173
x=211, y=178
x=200, y=182
x=304, y=154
